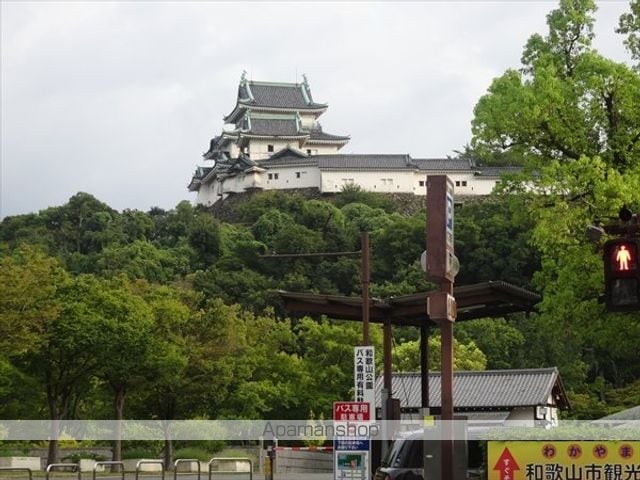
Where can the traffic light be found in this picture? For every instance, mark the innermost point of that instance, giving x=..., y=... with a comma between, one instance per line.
x=622, y=274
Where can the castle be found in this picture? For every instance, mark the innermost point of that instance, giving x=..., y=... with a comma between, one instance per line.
x=272, y=140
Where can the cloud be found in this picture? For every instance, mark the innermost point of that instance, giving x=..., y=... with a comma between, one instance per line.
x=120, y=99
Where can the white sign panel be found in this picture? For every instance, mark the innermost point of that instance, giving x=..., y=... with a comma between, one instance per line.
x=364, y=375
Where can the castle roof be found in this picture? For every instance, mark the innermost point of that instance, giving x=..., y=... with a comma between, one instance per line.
x=272, y=96
x=365, y=162
x=443, y=164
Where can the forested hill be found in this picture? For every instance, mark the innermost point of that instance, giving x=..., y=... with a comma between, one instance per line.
x=148, y=305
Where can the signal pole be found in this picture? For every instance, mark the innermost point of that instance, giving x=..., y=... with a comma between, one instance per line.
x=441, y=305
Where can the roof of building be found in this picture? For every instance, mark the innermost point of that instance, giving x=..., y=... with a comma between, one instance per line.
x=489, y=389
x=317, y=134
x=275, y=127
x=479, y=300
x=496, y=171
x=443, y=164
x=280, y=95
x=289, y=161
x=364, y=162
x=272, y=95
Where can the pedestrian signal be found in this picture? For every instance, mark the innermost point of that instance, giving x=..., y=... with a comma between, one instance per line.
x=622, y=274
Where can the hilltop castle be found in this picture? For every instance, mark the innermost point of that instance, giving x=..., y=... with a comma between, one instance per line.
x=276, y=143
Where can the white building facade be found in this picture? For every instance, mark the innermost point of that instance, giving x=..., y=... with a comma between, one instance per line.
x=273, y=141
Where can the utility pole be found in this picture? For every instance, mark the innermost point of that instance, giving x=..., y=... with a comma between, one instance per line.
x=364, y=246
x=441, y=305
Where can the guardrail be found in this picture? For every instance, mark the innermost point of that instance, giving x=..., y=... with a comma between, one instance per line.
x=73, y=466
x=226, y=472
x=17, y=469
x=150, y=462
x=102, y=464
x=185, y=460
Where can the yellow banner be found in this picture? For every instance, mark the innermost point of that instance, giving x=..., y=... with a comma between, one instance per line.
x=563, y=460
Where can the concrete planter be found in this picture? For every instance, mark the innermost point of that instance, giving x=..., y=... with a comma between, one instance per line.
x=130, y=465
x=32, y=463
x=87, y=464
x=230, y=466
x=190, y=467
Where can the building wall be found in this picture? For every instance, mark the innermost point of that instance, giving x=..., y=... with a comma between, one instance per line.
x=208, y=194
x=465, y=183
x=291, y=177
x=258, y=149
x=524, y=417
x=376, y=181
x=307, y=120
x=319, y=149
x=331, y=181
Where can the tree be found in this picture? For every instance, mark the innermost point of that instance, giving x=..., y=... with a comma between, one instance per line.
x=125, y=337
x=572, y=116
x=466, y=356
x=630, y=25
x=67, y=359
x=29, y=299
x=565, y=102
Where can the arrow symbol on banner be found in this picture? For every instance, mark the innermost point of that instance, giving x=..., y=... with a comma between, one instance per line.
x=506, y=465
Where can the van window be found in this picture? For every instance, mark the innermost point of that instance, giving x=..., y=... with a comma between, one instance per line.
x=405, y=454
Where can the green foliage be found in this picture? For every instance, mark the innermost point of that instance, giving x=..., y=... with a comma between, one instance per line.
x=629, y=25
x=500, y=342
x=355, y=194
x=568, y=101
x=466, y=356
x=202, y=454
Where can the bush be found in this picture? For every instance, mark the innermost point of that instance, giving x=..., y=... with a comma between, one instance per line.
x=76, y=457
x=192, y=452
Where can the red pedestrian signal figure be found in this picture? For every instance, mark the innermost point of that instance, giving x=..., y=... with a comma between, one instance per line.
x=623, y=257
x=622, y=274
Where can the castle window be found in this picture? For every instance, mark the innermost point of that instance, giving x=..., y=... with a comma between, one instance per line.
x=269, y=148
x=421, y=183
x=457, y=183
x=275, y=176
x=271, y=176
x=464, y=183
x=308, y=151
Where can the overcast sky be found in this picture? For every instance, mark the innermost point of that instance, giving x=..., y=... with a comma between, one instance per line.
x=120, y=99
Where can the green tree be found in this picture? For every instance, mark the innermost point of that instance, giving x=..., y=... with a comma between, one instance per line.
x=125, y=336
x=567, y=101
x=572, y=115
x=629, y=25
x=466, y=356
x=29, y=299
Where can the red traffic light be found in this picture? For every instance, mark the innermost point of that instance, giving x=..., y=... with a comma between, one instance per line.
x=621, y=256
x=622, y=275
x=624, y=257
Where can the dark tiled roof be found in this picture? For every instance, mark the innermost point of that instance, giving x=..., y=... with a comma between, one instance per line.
x=202, y=172
x=288, y=151
x=442, y=164
x=268, y=127
x=280, y=96
x=365, y=162
x=496, y=171
x=482, y=389
x=290, y=161
x=318, y=134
